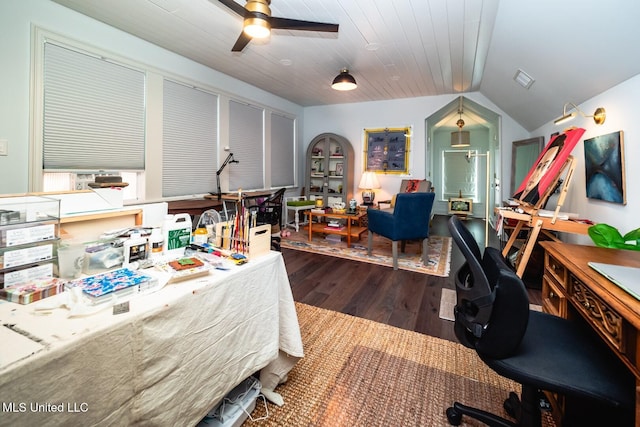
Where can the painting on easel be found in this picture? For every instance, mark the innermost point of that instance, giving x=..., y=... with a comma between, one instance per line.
x=547, y=167
x=604, y=168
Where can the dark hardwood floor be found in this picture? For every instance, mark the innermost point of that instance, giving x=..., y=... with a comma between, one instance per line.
x=404, y=299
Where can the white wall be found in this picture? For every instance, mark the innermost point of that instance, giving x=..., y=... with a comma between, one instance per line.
x=350, y=120
x=16, y=20
x=621, y=104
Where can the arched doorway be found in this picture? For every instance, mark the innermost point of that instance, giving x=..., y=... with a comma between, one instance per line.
x=462, y=171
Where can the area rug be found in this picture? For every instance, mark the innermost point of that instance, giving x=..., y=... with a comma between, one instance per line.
x=357, y=372
x=439, y=251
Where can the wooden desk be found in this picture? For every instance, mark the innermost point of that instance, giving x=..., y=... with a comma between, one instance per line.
x=193, y=206
x=570, y=288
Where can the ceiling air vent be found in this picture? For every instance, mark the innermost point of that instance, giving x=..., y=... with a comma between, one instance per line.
x=523, y=79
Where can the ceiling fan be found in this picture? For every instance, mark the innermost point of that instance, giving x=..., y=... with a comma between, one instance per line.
x=258, y=22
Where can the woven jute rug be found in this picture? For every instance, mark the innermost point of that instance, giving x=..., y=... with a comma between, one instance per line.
x=357, y=372
x=439, y=252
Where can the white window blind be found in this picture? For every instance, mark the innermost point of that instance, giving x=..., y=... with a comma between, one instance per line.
x=190, y=140
x=282, y=151
x=94, y=112
x=460, y=175
x=246, y=141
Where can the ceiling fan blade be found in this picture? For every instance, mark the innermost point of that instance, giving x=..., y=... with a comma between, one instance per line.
x=295, y=24
x=240, y=10
x=242, y=41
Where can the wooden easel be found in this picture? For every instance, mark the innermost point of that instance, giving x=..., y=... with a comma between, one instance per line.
x=528, y=216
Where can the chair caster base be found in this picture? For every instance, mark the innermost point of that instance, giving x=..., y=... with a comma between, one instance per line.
x=454, y=416
x=513, y=406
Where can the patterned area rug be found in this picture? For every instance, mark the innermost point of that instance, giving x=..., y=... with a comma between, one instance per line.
x=357, y=372
x=439, y=251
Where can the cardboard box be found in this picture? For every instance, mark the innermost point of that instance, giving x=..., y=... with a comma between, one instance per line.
x=257, y=243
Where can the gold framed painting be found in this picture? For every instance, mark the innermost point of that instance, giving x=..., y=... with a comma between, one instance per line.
x=386, y=150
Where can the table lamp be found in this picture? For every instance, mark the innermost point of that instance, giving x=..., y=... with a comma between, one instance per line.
x=368, y=183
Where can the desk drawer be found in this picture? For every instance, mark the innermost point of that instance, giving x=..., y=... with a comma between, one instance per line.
x=606, y=320
x=556, y=269
x=553, y=300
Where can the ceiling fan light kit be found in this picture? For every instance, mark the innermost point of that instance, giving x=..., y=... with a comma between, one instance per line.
x=599, y=116
x=344, y=81
x=258, y=22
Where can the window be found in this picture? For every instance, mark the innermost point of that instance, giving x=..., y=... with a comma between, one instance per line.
x=93, y=119
x=97, y=112
x=460, y=175
x=246, y=142
x=282, y=151
x=190, y=141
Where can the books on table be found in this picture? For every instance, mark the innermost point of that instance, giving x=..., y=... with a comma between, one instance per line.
x=120, y=283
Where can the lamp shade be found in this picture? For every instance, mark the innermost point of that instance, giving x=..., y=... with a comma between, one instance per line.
x=369, y=181
x=257, y=28
x=344, y=81
x=461, y=138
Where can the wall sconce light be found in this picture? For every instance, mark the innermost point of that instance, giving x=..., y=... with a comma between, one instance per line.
x=460, y=138
x=344, y=81
x=368, y=183
x=254, y=24
x=599, y=116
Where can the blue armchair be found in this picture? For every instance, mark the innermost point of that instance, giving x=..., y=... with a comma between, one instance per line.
x=408, y=221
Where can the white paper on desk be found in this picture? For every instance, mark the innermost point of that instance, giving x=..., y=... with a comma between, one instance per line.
x=561, y=215
x=15, y=346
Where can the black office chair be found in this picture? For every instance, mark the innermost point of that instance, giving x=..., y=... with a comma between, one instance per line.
x=538, y=350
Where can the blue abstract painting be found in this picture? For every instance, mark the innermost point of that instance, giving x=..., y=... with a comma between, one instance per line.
x=604, y=168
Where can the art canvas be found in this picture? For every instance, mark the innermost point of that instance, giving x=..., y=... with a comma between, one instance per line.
x=547, y=167
x=604, y=168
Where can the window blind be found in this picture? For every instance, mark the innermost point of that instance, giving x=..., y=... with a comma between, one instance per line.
x=246, y=142
x=190, y=140
x=282, y=151
x=94, y=112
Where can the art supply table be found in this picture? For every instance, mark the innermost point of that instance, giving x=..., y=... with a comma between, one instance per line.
x=167, y=361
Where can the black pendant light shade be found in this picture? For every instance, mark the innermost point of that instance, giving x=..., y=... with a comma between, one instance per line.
x=344, y=81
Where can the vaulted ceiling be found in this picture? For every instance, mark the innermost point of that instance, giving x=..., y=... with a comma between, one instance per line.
x=573, y=49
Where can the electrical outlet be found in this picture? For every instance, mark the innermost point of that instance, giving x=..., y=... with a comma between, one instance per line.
x=4, y=147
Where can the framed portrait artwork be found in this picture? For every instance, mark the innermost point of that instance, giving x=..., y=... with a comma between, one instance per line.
x=387, y=150
x=604, y=168
x=339, y=169
x=545, y=170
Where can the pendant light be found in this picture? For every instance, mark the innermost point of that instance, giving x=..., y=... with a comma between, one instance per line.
x=460, y=138
x=344, y=81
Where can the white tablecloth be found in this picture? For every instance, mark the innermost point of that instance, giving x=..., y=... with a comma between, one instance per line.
x=166, y=362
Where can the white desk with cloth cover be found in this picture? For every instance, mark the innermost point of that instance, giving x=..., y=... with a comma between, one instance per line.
x=168, y=361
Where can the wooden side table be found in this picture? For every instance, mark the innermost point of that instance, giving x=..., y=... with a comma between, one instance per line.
x=349, y=230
